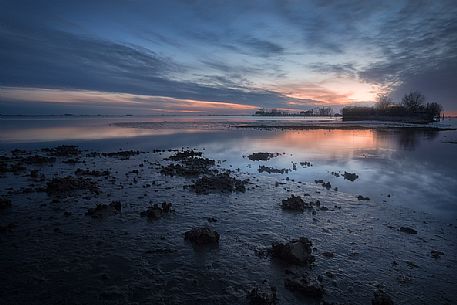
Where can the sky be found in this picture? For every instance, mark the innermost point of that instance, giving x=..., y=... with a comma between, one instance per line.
x=222, y=57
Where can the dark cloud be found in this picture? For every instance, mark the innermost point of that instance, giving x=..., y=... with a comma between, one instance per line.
x=418, y=44
x=230, y=50
x=53, y=59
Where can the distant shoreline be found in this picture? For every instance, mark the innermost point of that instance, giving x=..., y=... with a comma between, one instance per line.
x=346, y=125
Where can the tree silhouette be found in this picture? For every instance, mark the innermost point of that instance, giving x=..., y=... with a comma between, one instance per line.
x=413, y=101
x=434, y=109
x=383, y=102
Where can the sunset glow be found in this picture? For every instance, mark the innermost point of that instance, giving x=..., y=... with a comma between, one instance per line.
x=233, y=57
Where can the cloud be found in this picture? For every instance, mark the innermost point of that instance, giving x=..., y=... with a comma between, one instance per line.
x=261, y=47
x=53, y=59
x=117, y=101
x=268, y=54
x=340, y=70
x=418, y=45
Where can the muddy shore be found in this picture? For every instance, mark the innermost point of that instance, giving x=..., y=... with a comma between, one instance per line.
x=112, y=227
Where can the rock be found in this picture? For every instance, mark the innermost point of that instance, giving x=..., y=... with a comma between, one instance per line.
x=327, y=185
x=68, y=184
x=124, y=155
x=436, y=254
x=221, y=182
x=202, y=236
x=408, y=230
x=62, y=151
x=189, y=167
x=350, y=176
x=381, y=298
x=360, y=197
x=38, y=160
x=18, y=152
x=297, y=251
x=262, y=156
x=4, y=203
x=306, y=285
x=183, y=155
x=262, y=296
x=272, y=170
x=103, y=210
x=294, y=203
x=93, y=173
x=155, y=212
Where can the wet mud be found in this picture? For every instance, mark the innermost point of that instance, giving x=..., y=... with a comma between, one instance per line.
x=177, y=226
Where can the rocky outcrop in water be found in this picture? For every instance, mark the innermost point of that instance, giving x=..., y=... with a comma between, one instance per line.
x=272, y=170
x=294, y=203
x=360, y=197
x=184, y=155
x=262, y=156
x=59, y=186
x=297, y=251
x=156, y=211
x=350, y=176
x=93, y=173
x=219, y=183
x=123, y=154
x=262, y=296
x=408, y=230
x=63, y=151
x=202, y=236
x=38, y=160
x=104, y=210
x=305, y=284
x=191, y=164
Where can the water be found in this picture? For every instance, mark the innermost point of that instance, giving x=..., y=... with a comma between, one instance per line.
x=56, y=254
x=417, y=169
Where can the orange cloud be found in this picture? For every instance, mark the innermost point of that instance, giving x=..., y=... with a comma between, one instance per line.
x=329, y=92
x=147, y=102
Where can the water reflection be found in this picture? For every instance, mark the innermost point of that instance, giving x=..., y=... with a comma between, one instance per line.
x=415, y=167
x=41, y=130
x=408, y=139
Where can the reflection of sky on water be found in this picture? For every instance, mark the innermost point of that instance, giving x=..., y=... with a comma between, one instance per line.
x=415, y=167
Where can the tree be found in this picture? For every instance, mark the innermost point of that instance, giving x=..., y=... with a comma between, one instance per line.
x=413, y=101
x=434, y=109
x=383, y=102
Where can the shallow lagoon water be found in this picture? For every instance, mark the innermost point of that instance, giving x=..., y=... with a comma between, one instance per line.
x=50, y=258
x=417, y=168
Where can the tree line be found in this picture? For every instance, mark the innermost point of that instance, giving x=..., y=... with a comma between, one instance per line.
x=413, y=104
